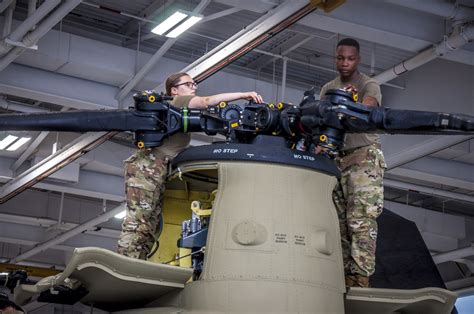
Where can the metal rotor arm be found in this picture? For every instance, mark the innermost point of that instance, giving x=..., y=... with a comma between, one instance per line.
x=153, y=120
x=337, y=114
x=420, y=122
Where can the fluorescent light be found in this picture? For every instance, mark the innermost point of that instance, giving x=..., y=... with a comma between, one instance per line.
x=184, y=26
x=121, y=215
x=18, y=143
x=167, y=24
x=7, y=141
x=4, y=274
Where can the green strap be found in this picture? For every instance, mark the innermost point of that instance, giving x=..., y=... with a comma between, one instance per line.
x=185, y=119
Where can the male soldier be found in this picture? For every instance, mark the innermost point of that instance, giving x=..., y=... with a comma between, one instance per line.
x=146, y=170
x=358, y=196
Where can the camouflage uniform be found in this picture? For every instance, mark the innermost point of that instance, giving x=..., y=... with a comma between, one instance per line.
x=358, y=196
x=145, y=176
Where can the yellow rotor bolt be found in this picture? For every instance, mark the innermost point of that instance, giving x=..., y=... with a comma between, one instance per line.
x=222, y=104
x=323, y=138
x=140, y=144
x=280, y=105
x=151, y=98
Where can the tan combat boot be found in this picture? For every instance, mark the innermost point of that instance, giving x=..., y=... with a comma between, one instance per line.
x=357, y=281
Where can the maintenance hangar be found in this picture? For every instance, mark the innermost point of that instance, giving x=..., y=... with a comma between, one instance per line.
x=64, y=191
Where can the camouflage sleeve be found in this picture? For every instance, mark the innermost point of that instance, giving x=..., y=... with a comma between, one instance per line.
x=372, y=89
x=181, y=101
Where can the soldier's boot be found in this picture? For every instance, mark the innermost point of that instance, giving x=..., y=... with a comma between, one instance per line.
x=357, y=281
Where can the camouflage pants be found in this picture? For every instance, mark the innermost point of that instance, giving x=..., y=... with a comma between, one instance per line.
x=358, y=198
x=145, y=175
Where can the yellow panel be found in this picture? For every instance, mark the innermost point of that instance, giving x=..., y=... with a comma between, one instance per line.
x=31, y=271
x=176, y=209
x=177, y=205
x=168, y=239
x=185, y=258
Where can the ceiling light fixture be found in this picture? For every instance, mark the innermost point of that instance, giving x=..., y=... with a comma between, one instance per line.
x=176, y=24
x=184, y=26
x=18, y=143
x=7, y=141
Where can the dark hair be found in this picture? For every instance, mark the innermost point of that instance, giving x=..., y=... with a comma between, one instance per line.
x=349, y=42
x=5, y=303
x=172, y=80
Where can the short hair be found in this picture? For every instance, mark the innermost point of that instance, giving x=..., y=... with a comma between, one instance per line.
x=172, y=80
x=349, y=42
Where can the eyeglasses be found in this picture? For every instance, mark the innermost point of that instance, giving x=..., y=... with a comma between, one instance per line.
x=188, y=84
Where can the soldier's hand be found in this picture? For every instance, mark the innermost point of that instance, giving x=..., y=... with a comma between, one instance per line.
x=351, y=89
x=253, y=96
x=317, y=150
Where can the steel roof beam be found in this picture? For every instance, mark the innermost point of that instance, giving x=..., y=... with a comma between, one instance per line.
x=5, y=4
x=429, y=147
x=425, y=190
x=47, y=223
x=68, y=234
x=151, y=11
x=432, y=178
x=154, y=59
x=61, y=158
x=249, y=38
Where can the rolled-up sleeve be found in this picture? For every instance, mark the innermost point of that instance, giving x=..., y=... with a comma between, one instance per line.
x=372, y=89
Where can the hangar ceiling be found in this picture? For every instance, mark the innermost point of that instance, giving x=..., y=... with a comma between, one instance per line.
x=94, y=54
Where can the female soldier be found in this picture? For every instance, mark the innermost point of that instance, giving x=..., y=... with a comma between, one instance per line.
x=146, y=170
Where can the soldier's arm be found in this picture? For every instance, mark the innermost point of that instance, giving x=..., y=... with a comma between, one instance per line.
x=373, y=95
x=201, y=102
x=323, y=91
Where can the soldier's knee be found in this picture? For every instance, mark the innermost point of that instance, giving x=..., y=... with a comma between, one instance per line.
x=361, y=224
